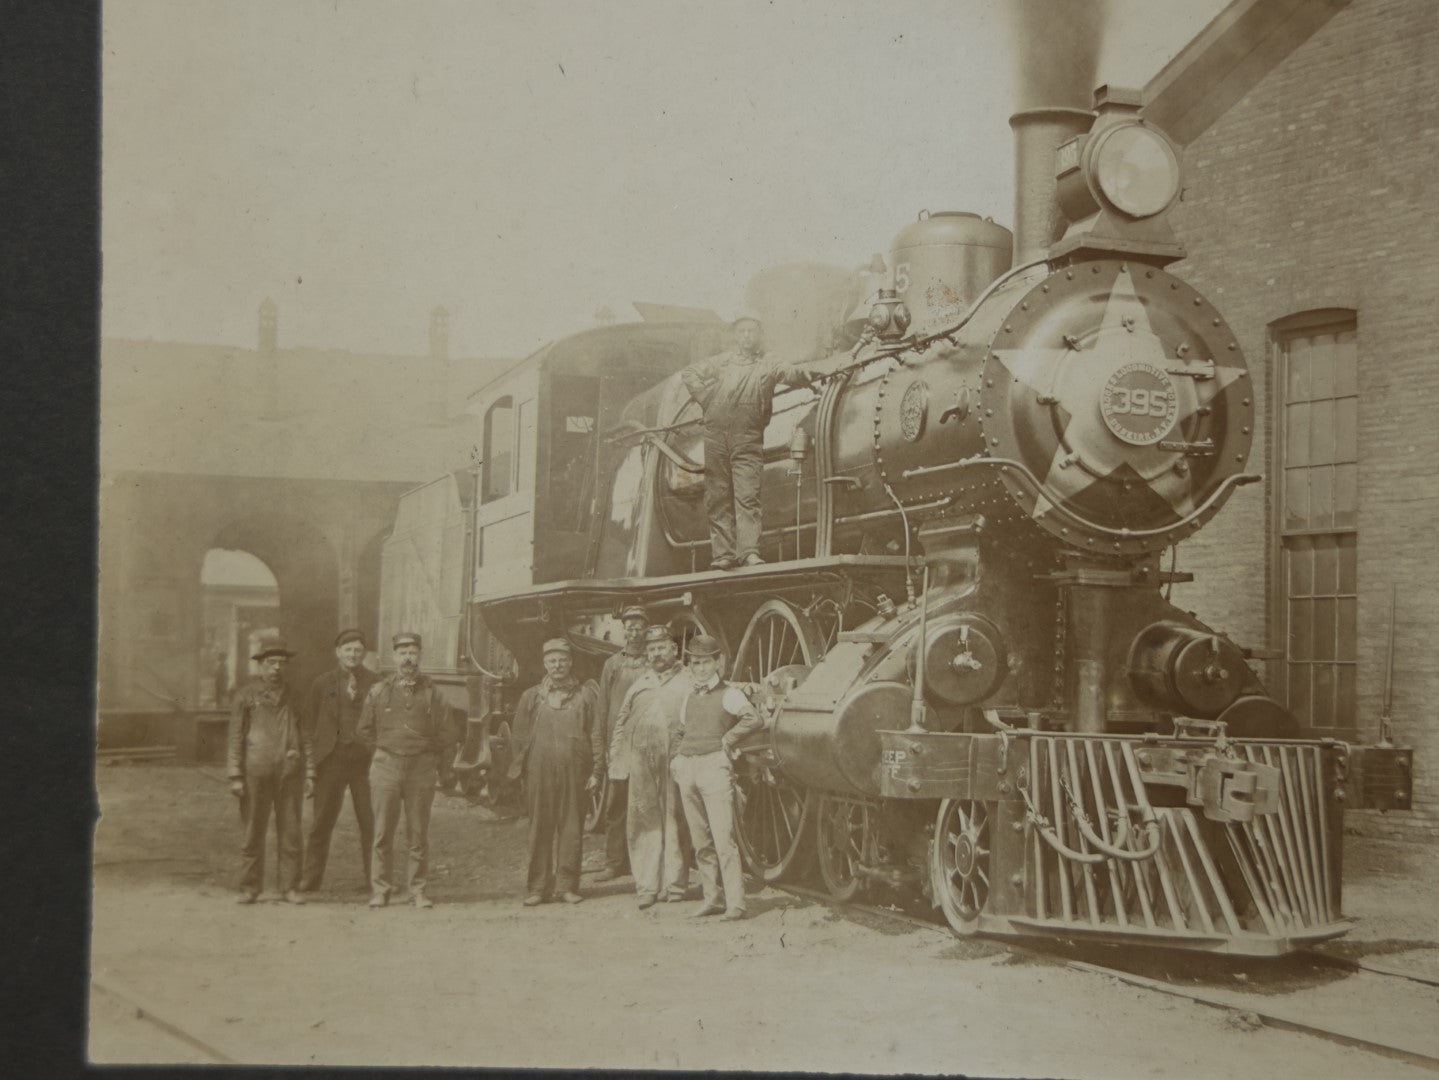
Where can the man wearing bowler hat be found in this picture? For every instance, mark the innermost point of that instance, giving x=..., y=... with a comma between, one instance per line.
x=267, y=770
x=643, y=743
x=559, y=751
x=714, y=717
x=617, y=676
x=338, y=758
x=407, y=723
x=735, y=392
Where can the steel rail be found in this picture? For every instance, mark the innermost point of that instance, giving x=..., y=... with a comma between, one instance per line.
x=1230, y=1003
x=144, y=1011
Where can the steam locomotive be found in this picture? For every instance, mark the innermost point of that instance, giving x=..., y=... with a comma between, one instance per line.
x=974, y=685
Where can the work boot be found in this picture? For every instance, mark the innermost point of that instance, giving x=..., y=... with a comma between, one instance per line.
x=725, y=563
x=709, y=909
x=533, y=900
x=421, y=901
x=293, y=896
x=572, y=898
x=733, y=914
x=378, y=900
x=607, y=875
x=646, y=901
x=753, y=559
x=247, y=898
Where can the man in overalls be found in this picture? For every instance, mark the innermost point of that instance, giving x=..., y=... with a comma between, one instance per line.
x=644, y=737
x=267, y=771
x=735, y=392
x=560, y=751
x=407, y=723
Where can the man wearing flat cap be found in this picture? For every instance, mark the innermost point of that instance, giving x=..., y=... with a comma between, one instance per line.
x=407, y=723
x=339, y=760
x=558, y=749
x=267, y=770
x=714, y=717
x=617, y=676
x=735, y=392
x=642, y=744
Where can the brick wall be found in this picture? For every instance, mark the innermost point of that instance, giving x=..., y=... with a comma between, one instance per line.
x=1314, y=192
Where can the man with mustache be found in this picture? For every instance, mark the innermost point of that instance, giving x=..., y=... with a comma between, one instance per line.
x=336, y=755
x=643, y=743
x=407, y=723
x=267, y=770
x=561, y=755
x=617, y=676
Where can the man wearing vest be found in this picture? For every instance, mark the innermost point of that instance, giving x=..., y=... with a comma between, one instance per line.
x=559, y=750
x=714, y=717
x=644, y=739
x=619, y=673
x=338, y=758
x=267, y=771
x=407, y=723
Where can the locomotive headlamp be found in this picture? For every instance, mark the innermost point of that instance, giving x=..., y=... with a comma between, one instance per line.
x=1115, y=184
x=889, y=318
x=1136, y=169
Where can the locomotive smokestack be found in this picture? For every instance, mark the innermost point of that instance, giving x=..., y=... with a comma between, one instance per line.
x=1038, y=221
x=1056, y=49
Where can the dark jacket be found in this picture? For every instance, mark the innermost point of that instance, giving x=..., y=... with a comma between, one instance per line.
x=384, y=728
x=321, y=729
x=264, y=732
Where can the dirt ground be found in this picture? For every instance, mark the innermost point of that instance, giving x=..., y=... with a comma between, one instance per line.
x=482, y=981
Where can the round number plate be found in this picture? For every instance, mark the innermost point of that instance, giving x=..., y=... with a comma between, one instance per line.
x=913, y=409
x=1139, y=403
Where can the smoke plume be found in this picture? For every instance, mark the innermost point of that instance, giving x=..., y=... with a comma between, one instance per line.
x=1056, y=46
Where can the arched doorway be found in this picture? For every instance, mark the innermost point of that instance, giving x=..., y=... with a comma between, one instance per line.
x=304, y=567
x=239, y=602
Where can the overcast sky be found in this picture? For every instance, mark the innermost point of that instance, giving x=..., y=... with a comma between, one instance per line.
x=527, y=163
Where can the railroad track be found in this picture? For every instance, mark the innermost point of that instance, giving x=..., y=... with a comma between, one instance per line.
x=1253, y=1008
x=144, y=1011
x=137, y=754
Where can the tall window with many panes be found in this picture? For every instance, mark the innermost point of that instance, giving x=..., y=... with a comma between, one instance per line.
x=1317, y=510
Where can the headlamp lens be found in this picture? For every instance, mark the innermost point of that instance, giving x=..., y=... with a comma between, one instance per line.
x=1137, y=170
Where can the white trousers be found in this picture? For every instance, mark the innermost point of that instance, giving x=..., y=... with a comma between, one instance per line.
x=706, y=783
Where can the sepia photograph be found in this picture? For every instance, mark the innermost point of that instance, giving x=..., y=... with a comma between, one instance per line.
x=768, y=536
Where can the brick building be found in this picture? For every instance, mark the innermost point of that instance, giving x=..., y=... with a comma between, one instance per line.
x=1306, y=220
x=296, y=456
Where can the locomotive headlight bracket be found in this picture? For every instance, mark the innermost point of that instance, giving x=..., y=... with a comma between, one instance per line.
x=1116, y=182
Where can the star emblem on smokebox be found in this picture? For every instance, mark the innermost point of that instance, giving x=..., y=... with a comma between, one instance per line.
x=1120, y=402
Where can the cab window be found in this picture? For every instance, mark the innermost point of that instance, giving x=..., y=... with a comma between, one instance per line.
x=497, y=479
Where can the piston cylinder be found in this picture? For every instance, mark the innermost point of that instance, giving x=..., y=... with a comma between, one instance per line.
x=1186, y=671
x=837, y=749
